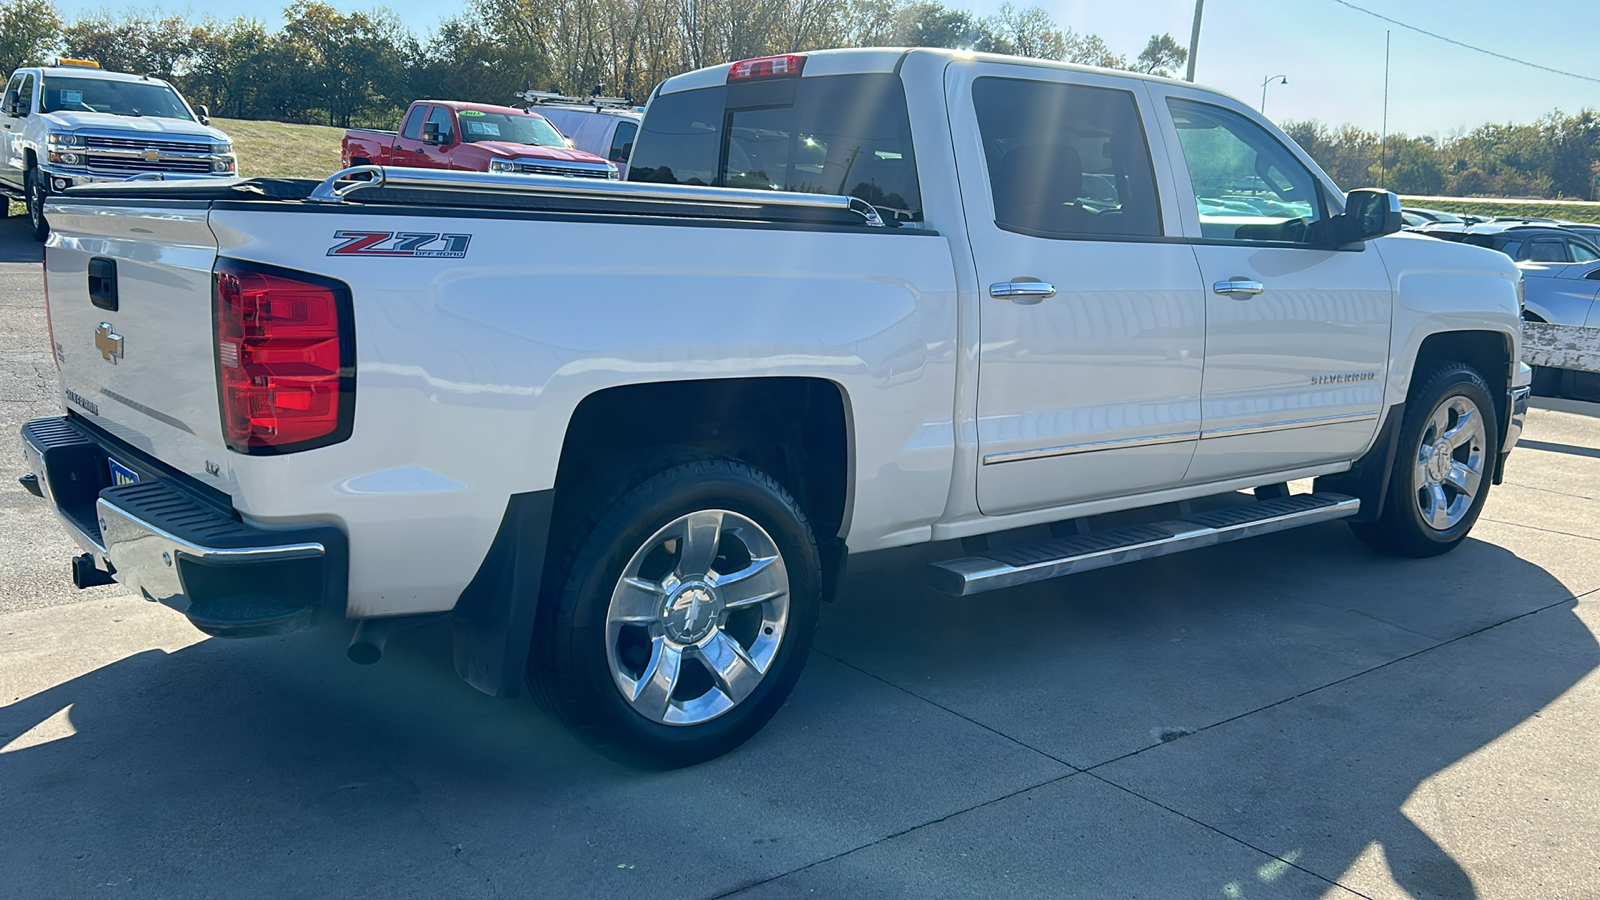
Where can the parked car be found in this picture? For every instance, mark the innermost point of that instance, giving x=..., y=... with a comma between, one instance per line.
x=74, y=123
x=1429, y=215
x=629, y=487
x=604, y=126
x=1521, y=240
x=473, y=137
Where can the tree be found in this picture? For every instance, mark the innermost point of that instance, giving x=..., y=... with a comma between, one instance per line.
x=28, y=31
x=1024, y=32
x=1161, y=56
x=346, y=66
x=130, y=42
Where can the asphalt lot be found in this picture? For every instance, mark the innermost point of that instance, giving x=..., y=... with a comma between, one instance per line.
x=1292, y=716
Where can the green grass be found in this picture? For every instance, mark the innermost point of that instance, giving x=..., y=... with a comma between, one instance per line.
x=282, y=149
x=1575, y=212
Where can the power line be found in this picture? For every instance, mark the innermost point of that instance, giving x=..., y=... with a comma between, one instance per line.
x=1424, y=31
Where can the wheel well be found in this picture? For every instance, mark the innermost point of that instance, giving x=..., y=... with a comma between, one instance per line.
x=795, y=429
x=1487, y=351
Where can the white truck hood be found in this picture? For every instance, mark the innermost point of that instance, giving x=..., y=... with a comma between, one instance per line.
x=149, y=125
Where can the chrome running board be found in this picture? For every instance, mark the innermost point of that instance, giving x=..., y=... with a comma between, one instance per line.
x=1010, y=566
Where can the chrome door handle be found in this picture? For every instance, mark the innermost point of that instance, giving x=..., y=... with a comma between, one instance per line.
x=1022, y=291
x=1238, y=288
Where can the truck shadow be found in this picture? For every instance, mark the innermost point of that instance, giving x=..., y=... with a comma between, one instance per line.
x=16, y=244
x=267, y=766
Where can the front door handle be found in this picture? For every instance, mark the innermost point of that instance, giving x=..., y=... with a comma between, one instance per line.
x=1022, y=291
x=1238, y=288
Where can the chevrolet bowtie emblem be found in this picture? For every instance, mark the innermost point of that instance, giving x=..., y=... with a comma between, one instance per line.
x=108, y=342
x=151, y=154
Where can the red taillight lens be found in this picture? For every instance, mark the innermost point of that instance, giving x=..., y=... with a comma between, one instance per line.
x=767, y=67
x=285, y=358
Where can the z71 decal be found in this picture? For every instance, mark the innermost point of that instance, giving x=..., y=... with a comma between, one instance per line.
x=413, y=244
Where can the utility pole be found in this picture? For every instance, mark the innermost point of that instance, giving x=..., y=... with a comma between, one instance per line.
x=1281, y=79
x=1194, y=39
x=1383, y=138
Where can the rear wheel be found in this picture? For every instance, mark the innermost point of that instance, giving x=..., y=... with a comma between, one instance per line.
x=36, y=190
x=1449, y=441
x=683, y=617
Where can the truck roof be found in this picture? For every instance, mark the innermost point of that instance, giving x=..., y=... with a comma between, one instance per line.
x=91, y=72
x=459, y=105
x=865, y=60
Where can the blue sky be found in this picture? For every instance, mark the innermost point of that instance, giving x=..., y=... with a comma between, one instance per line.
x=1332, y=56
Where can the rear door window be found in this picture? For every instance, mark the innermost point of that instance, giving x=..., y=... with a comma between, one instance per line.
x=1066, y=160
x=1548, y=251
x=412, y=130
x=837, y=134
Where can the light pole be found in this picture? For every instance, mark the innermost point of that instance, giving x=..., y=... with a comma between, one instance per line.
x=1281, y=79
x=1194, y=39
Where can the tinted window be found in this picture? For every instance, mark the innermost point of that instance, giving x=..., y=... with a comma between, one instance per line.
x=1066, y=159
x=119, y=98
x=1247, y=185
x=622, y=141
x=1548, y=251
x=25, y=93
x=1581, y=252
x=441, y=117
x=412, y=130
x=839, y=134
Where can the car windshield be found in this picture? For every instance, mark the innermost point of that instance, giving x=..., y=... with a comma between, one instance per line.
x=516, y=128
x=119, y=98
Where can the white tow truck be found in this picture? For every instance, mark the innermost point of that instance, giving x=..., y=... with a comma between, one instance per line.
x=72, y=123
x=878, y=298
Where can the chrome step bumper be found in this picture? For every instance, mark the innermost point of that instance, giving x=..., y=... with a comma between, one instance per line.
x=169, y=544
x=1011, y=566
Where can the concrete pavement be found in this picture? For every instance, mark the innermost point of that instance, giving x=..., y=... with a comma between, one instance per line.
x=1293, y=716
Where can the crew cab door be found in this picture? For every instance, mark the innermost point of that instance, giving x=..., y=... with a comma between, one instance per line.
x=12, y=164
x=1092, y=320
x=407, y=147
x=1297, y=336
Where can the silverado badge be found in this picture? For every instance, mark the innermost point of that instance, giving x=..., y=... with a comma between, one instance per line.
x=108, y=342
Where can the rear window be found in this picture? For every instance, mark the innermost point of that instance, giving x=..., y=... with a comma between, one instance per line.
x=838, y=134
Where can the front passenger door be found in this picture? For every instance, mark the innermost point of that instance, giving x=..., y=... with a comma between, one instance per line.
x=1297, y=335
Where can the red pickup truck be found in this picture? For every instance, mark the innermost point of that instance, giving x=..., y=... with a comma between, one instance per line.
x=476, y=137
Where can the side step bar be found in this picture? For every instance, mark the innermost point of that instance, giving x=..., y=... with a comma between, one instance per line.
x=1009, y=566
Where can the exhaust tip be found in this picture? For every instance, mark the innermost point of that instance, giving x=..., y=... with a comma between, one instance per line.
x=364, y=653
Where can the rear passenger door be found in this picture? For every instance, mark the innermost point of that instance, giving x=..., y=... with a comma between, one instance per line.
x=1092, y=319
x=1297, y=335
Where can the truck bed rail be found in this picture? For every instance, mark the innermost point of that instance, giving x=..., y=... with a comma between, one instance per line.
x=339, y=186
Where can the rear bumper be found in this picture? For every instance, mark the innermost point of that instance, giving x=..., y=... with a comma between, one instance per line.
x=177, y=542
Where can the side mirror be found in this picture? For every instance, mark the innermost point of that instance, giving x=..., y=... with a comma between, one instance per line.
x=205, y=115
x=431, y=133
x=10, y=104
x=1368, y=213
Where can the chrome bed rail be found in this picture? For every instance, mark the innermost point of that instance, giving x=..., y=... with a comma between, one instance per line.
x=342, y=184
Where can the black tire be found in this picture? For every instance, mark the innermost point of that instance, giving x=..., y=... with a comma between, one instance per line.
x=1402, y=528
x=36, y=191
x=570, y=671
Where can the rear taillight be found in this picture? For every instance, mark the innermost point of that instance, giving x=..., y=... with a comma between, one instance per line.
x=767, y=67
x=285, y=358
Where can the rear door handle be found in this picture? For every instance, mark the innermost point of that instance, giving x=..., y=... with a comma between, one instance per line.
x=1022, y=291
x=1238, y=288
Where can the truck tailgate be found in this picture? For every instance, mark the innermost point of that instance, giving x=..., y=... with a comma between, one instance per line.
x=128, y=286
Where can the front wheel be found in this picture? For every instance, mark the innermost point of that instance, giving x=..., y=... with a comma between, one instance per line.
x=684, y=615
x=1449, y=440
x=36, y=190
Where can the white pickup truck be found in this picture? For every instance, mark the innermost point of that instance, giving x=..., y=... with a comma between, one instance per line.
x=876, y=298
x=72, y=124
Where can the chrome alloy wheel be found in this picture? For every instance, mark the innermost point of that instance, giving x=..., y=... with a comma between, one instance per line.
x=697, y=617
x=1449, y=463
